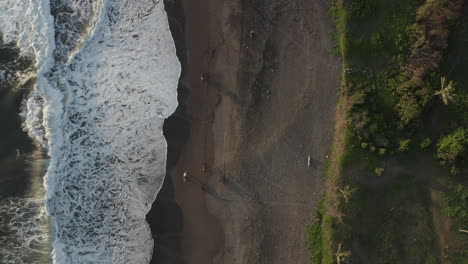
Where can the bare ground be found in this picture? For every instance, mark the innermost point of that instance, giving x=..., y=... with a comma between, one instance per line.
x=266, y=103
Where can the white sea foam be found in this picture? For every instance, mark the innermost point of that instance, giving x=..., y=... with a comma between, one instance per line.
x=24, y=229
x=29, y=24
x=102, y=95
x=24, y=225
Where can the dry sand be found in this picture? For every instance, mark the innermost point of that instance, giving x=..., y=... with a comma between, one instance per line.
x=267, y=102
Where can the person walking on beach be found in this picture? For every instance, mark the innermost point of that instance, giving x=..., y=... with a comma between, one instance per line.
x=185, y=175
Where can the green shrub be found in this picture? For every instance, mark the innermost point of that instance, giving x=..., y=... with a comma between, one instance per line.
x=425, y=143
x=358, y=98
x=453, y=146
x=408, y=108
x=404, y=145
x=362, y=8
x=455, y=203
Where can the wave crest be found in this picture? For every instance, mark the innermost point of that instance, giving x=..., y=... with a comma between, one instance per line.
x=107, y=79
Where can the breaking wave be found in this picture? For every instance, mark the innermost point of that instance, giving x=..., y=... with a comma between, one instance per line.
x=106, y=79
x=25, y=238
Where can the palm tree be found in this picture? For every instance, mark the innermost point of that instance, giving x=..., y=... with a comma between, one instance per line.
x=379, y=171
x=347, y=192
x=341, y=256
x=445, y=91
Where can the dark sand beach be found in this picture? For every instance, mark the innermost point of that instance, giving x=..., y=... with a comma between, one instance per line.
x=244, y=132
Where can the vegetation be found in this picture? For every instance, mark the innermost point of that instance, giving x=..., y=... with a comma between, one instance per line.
x=446, y=90
x=394, y=56
x=454, y=146
x=315, y=238
x=398, y=98
x=341, y=255
x=404, y=145
x=455, y=203
x=319, y=234
x=347, y=192
x=379, y=171
x=425, y=143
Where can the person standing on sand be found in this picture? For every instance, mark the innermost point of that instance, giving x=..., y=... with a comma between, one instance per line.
x=185, y=176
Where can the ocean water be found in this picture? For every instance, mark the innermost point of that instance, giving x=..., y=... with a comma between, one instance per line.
x=25, y=232
x=106, y=78
x=24, y=226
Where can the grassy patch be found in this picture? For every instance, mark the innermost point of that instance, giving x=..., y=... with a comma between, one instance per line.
x=391, y=223
x=319, y=232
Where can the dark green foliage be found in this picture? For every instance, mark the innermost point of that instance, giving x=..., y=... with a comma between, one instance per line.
x=425, y=143
x=362, y=8
x=404, y=145
x=455, y=203
x=375, y=90
x=391, y=76
x=391, y=224
x=317, y=234
x=396, y=65
x=408, y=108
x=454, y=146
x=315, y=238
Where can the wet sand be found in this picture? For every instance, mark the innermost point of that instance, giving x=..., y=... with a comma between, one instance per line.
x=266, y=103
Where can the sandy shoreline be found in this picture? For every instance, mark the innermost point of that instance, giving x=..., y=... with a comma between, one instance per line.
x=267, y=103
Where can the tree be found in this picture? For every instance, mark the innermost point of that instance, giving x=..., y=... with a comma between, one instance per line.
x=379, y=171
x=409, y=108
x=347, y=192
x=446, y=90
x=341, y=256
x=453, y=146
x=404, y=145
